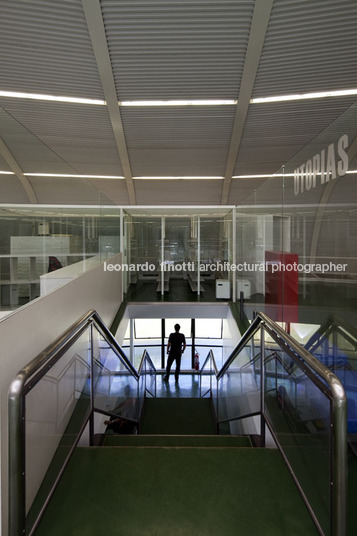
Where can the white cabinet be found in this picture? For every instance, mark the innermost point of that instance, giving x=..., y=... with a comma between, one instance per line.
x=223, y=289
x=243, y=285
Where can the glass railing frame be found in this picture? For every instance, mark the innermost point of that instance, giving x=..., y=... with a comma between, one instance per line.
x=24, y=382
x=331, y=387
x=146, y=357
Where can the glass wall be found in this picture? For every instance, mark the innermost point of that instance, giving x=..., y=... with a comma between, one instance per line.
x=152, y=334
x=297, y=233
x=297, y=236
x=178, y=252
x=38, y=240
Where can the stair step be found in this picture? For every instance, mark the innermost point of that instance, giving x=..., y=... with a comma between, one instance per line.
x=187, y=416
x=190, y=491
x=143, y=440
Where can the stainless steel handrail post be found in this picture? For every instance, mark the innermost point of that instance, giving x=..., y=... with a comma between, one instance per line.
x=17, y=458
x=91, y=380
x=339, y=465
x=262, y=386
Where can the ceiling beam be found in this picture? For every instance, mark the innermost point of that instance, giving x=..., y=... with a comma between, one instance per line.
x=260, y=21
x=94, y=18
x=14, y=166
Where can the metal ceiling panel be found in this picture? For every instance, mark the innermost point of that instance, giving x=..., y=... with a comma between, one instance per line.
x=11, y=190
x=114, y=190
x=309, y=46
x=274, y=132
x=241, y=189
x=60, y=138
x=67, y=191
x=178, y=141
x=4, y=166
x=45, y=48
x=177, y=49
x=178, y=192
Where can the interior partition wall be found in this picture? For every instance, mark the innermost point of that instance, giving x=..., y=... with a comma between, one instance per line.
x=193, y=245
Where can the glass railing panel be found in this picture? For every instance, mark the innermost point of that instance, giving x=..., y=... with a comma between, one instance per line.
x=57, y=408
x=299, y=414
x=217, y=350
x=337, y=350
x=150, y=375
x=114, y=386
x=207, y=372
x=239, y=388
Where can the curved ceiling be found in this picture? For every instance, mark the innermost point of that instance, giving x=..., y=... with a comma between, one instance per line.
x=119, y=151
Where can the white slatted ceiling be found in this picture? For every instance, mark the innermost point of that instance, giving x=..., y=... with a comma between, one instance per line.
x=4, y=165
x=79, y=136
x=67, y=191
x=309, y=46
x=274, y=132
x=178, y=141
x=45, y=48
x=11, y=190
x=177, y=49
x=178, y=192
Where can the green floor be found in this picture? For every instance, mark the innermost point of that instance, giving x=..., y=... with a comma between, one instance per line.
x=177, y=479
x=176, y=491
x=177, y=416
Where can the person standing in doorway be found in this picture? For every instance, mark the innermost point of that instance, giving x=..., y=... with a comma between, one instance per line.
x=175, y=348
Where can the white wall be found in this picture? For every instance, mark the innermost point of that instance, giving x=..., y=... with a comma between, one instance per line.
x=231, y=335
x=27, y=331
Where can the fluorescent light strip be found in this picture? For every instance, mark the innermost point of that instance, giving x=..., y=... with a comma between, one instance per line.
x=73, y=176
x=197, y=102
x=177, y=178
x=304, y=96
x=180, y=102
x=54, y=98
x=116, y=177
x=263, y=176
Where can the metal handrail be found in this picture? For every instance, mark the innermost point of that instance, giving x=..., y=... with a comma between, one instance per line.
x=333, y=321
x=326, y=381
x=24, y=382
x=144, y=357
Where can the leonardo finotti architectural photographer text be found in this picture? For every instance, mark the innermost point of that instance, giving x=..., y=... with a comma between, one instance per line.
x=226, y=266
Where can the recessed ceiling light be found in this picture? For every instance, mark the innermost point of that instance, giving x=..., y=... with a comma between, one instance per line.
x=304, y=96
x=54, y=98
x=178, y=178
x=197, y=102
x=73, y=176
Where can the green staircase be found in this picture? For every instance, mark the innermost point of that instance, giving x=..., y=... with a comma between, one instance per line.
x=176, y=478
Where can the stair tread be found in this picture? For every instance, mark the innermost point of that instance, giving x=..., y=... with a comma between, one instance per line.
x=173, y=440
x=200, y=491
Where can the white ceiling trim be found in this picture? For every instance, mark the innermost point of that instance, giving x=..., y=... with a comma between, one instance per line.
x=93, y=14
x=260, y=21
x=9, y=158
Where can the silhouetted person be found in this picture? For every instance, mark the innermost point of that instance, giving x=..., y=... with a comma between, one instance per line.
x=175, y=348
